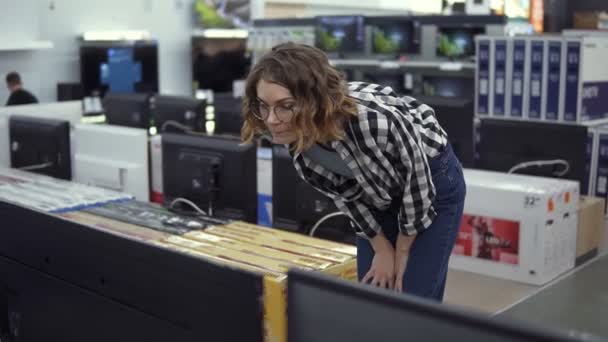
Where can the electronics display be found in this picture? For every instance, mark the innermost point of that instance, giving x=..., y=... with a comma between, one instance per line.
x=120, y=67
x=228, y=113
x=41, y=145
x=297, y=206
x=131, y=110
x=187, y=112
x=340, y=34
x=153, y=216
x=91, y=280
x=214, y=172
x=394, y=35
x=322, y=309
x=112, y=157
x=218, y=62
x=506, y=143
x=456, y=116
x=457, y=41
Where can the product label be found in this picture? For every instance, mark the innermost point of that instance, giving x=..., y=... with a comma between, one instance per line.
x=594, y=100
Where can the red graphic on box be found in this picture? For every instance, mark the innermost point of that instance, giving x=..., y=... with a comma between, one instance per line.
x=488, y=238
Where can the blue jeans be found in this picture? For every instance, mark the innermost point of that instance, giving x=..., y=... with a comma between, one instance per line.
x=427, y=265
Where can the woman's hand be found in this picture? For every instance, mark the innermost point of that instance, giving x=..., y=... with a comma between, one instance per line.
x=402, y=251
x=382, y=271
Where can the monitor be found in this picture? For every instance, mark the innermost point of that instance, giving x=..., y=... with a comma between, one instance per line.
x=101, y=158
x=340, y=34
x=457, y=41
x=214, y=172
x=505, y=144
x=456, y=117
x=131, y=110
x=298, y=207
x=119, y=67
x=394, y=35
x=69, y=91
x=218, y=62
x=178, y=113
x=324, y=308
x=40, y=145
x=71, y=111
x=448, y=86
x=228, y=113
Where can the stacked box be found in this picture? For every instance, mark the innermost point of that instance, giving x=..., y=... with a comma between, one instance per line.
x=597, y=161
x=526, y=233
x=483, y=76
x=50, y=194
x=271, y=253
x=543, y=77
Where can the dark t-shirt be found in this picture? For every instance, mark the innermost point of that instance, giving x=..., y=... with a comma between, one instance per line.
x=21, y=97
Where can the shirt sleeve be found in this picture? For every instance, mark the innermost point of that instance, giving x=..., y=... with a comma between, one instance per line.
x=409, y=159
x=363, y=220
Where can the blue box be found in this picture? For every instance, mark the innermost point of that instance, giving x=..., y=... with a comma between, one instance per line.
x=517, y=84
x=572, y=56
x=554, y=84
x=536, y=79
x=500, y=75
x=482, y=86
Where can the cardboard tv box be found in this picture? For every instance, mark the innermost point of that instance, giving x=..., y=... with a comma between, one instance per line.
x=517, y=227
x=590, y=228
x=269, y=253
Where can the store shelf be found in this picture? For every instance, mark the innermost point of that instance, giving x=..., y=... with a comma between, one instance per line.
x=33, y=45
x=441, y=65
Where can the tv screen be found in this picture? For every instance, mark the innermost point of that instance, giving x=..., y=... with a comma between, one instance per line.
x=119, y=68
x=457, y=42
x=340, y=34
x=394, y=35
x=218, y=62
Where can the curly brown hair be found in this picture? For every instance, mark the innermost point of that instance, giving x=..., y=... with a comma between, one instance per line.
x=320, y=92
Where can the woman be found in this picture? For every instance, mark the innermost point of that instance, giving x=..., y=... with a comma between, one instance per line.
x=383, y=159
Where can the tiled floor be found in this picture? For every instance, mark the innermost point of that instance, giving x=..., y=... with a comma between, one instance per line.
x=488, y=294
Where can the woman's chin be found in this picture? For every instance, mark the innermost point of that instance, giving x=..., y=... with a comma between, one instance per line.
x=282, y=139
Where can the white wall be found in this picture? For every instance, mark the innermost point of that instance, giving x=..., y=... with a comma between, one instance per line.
x=62, y=21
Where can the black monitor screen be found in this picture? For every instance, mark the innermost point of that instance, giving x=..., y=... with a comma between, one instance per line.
x=218, y=62
x=41, y=146
x=178, y=113
x=507, y=143
x=456, y=42
x=131, y=110
x=448, y=86
x=322, y=308
x=216, y=172
x=119, y=68
x=392, y=35
x=297, y=206
x=456, y=117
x=228, y=117
x=340, y=34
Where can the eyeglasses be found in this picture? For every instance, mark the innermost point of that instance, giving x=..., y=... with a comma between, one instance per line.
x=283, y=112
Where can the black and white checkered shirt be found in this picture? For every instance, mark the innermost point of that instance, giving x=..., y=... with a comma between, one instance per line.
x=387, y=148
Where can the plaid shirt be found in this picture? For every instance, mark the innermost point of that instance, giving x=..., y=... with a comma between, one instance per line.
x=387, y=147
